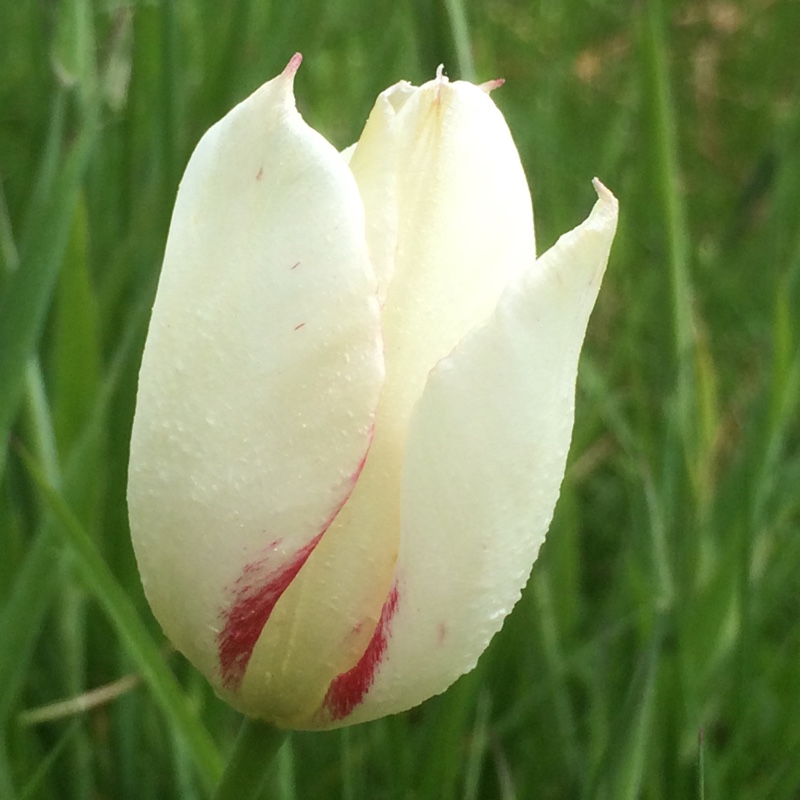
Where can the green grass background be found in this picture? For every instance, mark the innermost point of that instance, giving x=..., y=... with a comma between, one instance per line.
x=656, y=650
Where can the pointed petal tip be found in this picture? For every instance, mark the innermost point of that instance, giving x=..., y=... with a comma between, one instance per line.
x=489, y=86
x=290, y=70
x=606, y=209
x=604, y=194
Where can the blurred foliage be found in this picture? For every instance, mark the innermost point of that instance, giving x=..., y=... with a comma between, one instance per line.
x=655, y=651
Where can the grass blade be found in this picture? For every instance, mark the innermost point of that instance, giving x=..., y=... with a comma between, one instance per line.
x=28, y=291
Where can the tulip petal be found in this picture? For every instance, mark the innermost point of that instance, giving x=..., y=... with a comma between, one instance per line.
x=484, y=460
x=376, y=163
x=464, y=231
x=260, y=379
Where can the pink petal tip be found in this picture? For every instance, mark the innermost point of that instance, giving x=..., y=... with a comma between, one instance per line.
x=294, y=64
x=489, y=86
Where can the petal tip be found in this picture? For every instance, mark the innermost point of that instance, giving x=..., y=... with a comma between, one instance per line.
x=606, y=209
x=490, y=86
x=604, y=194
x=290, y=70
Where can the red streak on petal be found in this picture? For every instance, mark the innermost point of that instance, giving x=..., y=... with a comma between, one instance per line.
x=297, y=327
x=255, y=597
x=257, y=590
x=348, y=689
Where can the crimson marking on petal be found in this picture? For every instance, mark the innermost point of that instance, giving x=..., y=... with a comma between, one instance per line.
x=255, y=596
x=257, y=590
x=348, y=689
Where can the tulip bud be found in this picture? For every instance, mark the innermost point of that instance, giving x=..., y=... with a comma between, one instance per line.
x=355, y=402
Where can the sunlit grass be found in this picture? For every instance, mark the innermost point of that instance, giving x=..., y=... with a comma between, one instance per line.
x=667, y=597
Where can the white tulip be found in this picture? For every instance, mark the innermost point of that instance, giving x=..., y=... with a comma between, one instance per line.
x=355, y=401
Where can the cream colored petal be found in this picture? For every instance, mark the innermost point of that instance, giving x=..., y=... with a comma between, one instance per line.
x=464, y=230
x=259, y=381
x=374, y=162
x=347, y=153
x=484, y=460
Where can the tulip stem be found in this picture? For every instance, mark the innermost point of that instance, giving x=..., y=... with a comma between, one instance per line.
x=251, y=761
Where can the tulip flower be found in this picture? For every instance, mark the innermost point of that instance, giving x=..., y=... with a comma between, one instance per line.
x=355, y=401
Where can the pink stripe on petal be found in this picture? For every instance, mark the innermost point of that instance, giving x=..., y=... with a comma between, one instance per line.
x=348, y=689
x=256, y=592
x=255, y=597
